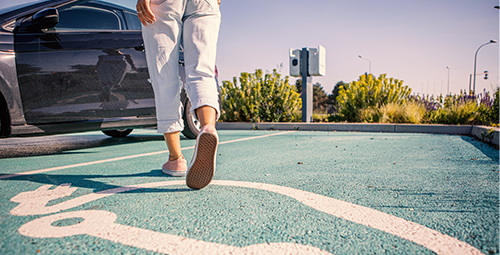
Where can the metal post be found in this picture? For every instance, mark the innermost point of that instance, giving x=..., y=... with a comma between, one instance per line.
x=307, y=88
x=448, y=91
x=470, y=82
x=475, y=60
x=474, y=73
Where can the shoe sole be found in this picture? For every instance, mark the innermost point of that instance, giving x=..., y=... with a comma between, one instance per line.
x=202, y=168
x=173, y=173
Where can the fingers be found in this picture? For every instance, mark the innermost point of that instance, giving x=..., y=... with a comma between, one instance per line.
x=144, y=12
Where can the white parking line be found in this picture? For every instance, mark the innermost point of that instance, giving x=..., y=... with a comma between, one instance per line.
x=101, y=223
x=127, y=157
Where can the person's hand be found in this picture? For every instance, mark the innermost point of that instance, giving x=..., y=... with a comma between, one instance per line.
x=144, y=12
x=218, y=1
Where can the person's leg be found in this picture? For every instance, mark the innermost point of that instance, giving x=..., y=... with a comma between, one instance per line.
x=201, y=30
x=200, y=33
x=206, y=115
x=176, y=164
x=161, y=41
x=174, y=145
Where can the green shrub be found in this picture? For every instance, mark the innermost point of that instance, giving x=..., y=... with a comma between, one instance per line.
x=320, y=117
x=459, y=113
x=370, y=114
x=392, y=113
x=360, y=101
x=260, y=98
x=408, y=112
x=415, y=112
x=386, y=100
x=467, y=109
x=495, y=113
x=489, y=112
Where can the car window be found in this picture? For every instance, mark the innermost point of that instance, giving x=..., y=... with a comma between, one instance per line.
x=133, y=21
x=88, y=18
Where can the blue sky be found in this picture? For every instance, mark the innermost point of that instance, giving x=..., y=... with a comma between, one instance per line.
x=412, y=41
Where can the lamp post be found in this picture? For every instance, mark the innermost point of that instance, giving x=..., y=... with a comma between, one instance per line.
x=370, y=66
x=475, y=60
x=447, y=67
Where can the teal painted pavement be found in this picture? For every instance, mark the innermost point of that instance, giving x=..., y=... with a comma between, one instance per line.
x=288, y=192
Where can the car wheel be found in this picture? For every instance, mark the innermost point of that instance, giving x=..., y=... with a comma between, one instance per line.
x=117, y=132
x=4, y=119
x=191, y=125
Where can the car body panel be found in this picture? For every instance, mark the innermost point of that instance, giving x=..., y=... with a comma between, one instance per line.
x=71, y=79
x=8, y=79
x=88, y=76
x=88, y=64
x=76, y=76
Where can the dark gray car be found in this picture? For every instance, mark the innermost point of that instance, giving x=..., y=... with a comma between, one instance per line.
x=69, y=66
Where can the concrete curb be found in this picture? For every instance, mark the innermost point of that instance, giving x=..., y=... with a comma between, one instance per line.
x=365, y=127
x=480, y=131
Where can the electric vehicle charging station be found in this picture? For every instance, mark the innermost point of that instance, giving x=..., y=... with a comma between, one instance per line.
x=306, y=63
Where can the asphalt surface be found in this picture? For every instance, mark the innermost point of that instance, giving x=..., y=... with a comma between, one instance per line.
x=273, y=193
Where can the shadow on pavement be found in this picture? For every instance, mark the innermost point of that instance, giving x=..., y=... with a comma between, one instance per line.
x=49, y=145
x=485, y=148
x=86, y=181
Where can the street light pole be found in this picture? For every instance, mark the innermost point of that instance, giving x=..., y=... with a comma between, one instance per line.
x=475, y=60
x=370, y=65
x=447, y=67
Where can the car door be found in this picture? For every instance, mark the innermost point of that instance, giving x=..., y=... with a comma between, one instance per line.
x=90, y=66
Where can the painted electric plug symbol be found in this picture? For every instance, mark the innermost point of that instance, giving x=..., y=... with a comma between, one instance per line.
x=33, y=202
x=101, y=223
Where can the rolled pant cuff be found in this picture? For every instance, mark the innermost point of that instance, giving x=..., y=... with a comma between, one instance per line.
x=170, y=126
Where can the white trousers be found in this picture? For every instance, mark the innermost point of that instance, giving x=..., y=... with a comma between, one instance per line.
x=196, y=23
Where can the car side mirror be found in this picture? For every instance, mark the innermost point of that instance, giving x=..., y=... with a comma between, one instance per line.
x=46, y=18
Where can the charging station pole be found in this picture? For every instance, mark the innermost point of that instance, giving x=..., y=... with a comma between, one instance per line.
x=305, y=63
x=307, y=87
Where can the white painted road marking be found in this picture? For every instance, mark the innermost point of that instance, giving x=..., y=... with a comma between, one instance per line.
x=101, y=224
x=127, y=157
x=429, y=238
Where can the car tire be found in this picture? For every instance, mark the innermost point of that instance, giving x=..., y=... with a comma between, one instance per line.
x=118, y=132
x=4, y=118
x=191, y=124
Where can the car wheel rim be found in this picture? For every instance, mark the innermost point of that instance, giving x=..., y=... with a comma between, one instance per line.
x=196, y=123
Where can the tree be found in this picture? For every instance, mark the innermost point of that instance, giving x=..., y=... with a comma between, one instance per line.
x=319, y=96
x=332, y=98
